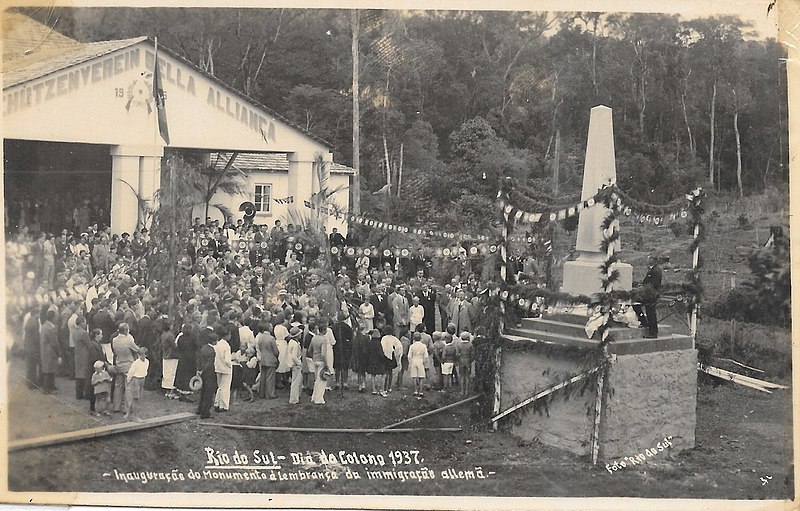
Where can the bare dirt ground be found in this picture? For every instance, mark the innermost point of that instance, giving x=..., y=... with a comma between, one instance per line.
x=743, y=437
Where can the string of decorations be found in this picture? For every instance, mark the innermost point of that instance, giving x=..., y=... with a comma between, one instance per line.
x=407, y=252
x=525, y=210
x=388, y=226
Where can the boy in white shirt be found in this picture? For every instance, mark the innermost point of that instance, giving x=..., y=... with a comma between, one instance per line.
x=416, y=314
x=134, y=383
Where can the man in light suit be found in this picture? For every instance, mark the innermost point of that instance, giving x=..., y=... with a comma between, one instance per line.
x=400, y=311
x=459, y=312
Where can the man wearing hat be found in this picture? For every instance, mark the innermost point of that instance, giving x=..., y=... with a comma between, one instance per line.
x=648, y=295
x=294, y=360
x=206, y=357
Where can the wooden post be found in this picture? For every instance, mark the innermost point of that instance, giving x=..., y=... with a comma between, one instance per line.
x=432, y=412
x=598, y=413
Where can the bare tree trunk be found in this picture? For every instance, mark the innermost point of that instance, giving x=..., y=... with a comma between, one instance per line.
x=711, y=142
x=388, y=165
x=738, y=153
x=354, y=22
x=644, y=104
x=688, y=126
x=400, y=170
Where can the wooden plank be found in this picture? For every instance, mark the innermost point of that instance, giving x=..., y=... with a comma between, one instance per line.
x=88, y=434
x=742, y=378
x=432, y=412
x=544, y=393
x=725, y=375
x=325, y=430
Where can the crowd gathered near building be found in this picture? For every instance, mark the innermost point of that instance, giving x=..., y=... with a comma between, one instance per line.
x=260, y=313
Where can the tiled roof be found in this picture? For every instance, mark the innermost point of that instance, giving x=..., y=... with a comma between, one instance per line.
x=275, y=162
x=26, y=41
x=55, y=63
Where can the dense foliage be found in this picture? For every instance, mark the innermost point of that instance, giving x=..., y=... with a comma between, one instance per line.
x=452, y=100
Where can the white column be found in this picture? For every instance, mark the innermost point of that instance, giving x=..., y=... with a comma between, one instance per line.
x=124, y=188
x=150, y=182
x=301, y=179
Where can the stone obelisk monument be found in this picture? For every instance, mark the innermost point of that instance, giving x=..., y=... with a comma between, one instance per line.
x=582, y=276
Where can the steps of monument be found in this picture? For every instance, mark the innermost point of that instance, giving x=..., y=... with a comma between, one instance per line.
x=631, y=346
x=578, y=329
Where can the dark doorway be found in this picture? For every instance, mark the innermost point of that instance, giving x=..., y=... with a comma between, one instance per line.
x=50, y=186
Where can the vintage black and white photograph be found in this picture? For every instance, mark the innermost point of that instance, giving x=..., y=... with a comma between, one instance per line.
x=430, y=252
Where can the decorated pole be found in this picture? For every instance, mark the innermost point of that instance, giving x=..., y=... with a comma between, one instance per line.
x=695, y=261
x=504, y=194
x=498, y=359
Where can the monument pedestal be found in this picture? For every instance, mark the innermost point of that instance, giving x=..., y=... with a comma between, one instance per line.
x=651, y=388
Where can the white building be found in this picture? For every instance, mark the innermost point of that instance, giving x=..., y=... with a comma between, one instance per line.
x=81, y=116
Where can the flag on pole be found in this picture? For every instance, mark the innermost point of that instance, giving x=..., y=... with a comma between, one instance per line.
x=158, y=95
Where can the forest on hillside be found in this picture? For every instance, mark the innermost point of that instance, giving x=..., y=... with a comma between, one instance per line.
x=450, y=101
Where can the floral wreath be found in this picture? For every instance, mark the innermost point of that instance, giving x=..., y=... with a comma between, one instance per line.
x=140, y=92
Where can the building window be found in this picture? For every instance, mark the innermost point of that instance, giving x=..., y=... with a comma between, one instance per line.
x=262, y=198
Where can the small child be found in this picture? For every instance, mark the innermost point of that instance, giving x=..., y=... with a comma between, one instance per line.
x=417, y=354
x=135, y=383
x=101, y=385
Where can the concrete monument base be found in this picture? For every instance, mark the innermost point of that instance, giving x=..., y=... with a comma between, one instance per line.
x=651, y=388
x=650, y=397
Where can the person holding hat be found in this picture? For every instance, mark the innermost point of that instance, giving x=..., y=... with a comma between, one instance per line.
x=206, y=357
x=317, y=351
x=295, y=362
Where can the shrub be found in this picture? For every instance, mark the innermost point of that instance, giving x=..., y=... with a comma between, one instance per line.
x=679, y=228
x=743, y=220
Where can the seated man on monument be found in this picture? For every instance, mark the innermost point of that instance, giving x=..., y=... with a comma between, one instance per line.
x=647, y=296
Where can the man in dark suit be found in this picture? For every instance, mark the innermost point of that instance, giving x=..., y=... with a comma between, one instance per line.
x=50, y=351
x=380, y=302
x=205, y=366
x=648, y=295
x=336, y=238
x=427, y=298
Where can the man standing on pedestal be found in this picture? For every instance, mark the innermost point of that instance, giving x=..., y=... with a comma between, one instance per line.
x=648, y=295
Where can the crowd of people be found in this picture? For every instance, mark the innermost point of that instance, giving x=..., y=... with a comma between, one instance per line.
x=259, y=311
